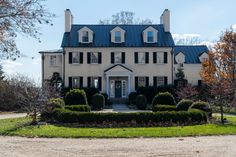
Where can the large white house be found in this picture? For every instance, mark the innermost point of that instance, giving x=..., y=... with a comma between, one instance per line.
x=117, y=59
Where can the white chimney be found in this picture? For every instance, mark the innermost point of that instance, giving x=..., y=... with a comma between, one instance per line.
x=165, y=20
x=68, y=20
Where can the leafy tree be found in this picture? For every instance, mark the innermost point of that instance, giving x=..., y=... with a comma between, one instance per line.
x=218, y=72
x=180, y=73
x=20, y=17
x=125, y=17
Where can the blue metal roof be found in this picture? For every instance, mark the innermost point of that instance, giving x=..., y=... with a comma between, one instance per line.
x=191, y=53
x=133, y=36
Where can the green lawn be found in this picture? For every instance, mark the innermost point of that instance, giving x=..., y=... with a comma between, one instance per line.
x=21, y=127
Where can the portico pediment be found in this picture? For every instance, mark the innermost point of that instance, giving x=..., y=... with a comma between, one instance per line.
x=118, y=69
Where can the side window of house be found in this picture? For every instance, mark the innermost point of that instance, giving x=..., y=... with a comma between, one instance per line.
x=75, y=57
x=160, y=80
x=53, y=61
x=76, y=82
x=141, y=81
x=117, y=57
x=160, y=57
x=94, y=57
x=141, y=57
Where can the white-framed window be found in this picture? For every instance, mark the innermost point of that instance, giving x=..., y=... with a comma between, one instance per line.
x=160, y=80
x=75, y=57
x=150, y=36
x=141, y=81
x=141, y=57
x=117, y=57
x=117, y=36
x=160, y=58
x=53, y=61
x=85, y=36
x=76, y=82
x=94, y=58
x=94, y=82
x=124, y=88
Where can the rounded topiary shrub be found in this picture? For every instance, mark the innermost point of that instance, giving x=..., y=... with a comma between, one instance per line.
x=160, y=107
x=98, y=102
x=163, y=98
x=55, y=103
x=132, y=97
x=141, y=102
x=184, y=105
x=201, y=105
x=76, y=96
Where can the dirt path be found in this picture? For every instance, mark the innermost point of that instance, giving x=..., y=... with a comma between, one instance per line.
x=212, y=146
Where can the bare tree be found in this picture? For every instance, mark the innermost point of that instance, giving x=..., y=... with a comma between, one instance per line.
x=125, y=17
x=20, y=17
x=187, y=92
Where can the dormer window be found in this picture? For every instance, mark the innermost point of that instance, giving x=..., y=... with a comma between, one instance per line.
x=117, y=36
x=85, y=36
x=150, y=37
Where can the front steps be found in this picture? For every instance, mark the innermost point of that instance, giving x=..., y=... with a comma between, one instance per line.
x=119, y=100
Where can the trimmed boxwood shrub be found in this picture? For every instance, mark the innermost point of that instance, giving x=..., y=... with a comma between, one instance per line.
x=184, y=105
x=132, y=97
x=141, y=102
x=201, y=105
x=56, y=103
x=90, y=91
x=98, y=102
x=76, y=96
x=164, y=108
x=163, y=98
x=144, y=118
x=80, y=108
x=106, y=98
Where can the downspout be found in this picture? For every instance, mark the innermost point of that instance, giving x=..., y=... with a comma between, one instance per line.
x=172, y=64
x=43, y=58
x=64, y=67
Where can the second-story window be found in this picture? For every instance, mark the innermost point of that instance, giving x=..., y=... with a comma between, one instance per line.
x=118, y=57
x=53, y=60
x=117, y=36
x=75, y=57
x=85, y=36
x=150, y=36
x=94, y=57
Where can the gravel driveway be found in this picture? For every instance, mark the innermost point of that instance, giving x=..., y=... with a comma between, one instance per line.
x=210, y=146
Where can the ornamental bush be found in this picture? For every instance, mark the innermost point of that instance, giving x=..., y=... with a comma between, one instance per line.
x=203, y=106
x=106, y=98
x=141, y=102
x=90, y=91
x=132, y=97
x=184, y=105
x=79, y=108
x=164, y=108
x=76, y=96
x=163, y=98
x=98, y=102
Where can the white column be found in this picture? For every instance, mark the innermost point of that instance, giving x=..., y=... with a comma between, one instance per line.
x=129, y=84
x=108, y=93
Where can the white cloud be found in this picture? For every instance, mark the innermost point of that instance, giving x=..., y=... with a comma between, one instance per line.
x=10, y=67
x=234, y=27
x=186, y=39
x=182, y=36
x=36, y=61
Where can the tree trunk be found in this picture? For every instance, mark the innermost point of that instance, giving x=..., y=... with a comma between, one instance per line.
x=34, y=117
x=221, y=113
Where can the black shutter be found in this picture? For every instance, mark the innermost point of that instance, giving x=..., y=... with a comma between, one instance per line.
x=136, y=83
x=199, y=82
x=123, y=57
x=70, y=57
x=165, y=80
x=88, y=57
x=89, y=82
x=99, y=58
x=154, y=57
x=146, y=57
x=154, y=81
x=112, y=57
x=147, y=81
x=70, y=82
x=136, y=57
x=165, y=57
x=81, y=58
x=81, y=82
x=99, y=83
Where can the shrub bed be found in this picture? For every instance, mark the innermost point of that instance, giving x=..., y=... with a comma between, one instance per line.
x=141, y=102
x=164, y=108
x=163, y=98
x=79, y=108
x=75, y=96
x=143, y=118
x=184, y=105
x=203, y=106
x=98, y=102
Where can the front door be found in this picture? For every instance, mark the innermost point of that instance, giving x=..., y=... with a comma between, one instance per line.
x=118, y=89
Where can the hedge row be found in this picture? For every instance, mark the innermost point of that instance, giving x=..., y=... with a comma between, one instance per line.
x=181, y=117
x=164, y=108
x=80, y=108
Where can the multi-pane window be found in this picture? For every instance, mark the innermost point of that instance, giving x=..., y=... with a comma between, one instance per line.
x=75, y=82
x=160, y=80
x=141, y=57
x=94, y=82
x=124, y=88
x=150, y=36
x=141, y=81
x=85, y=36
x=117, y=36
x=94, y=57
x=75, y=57
x=160, y=57
x=118, y=57
x=53, y=60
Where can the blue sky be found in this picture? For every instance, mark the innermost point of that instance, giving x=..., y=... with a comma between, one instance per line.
x=205, y=18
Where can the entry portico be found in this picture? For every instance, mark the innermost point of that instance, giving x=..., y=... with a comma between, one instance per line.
x=118, y=81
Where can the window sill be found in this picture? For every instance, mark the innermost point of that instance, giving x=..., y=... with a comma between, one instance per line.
x=75, y=63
